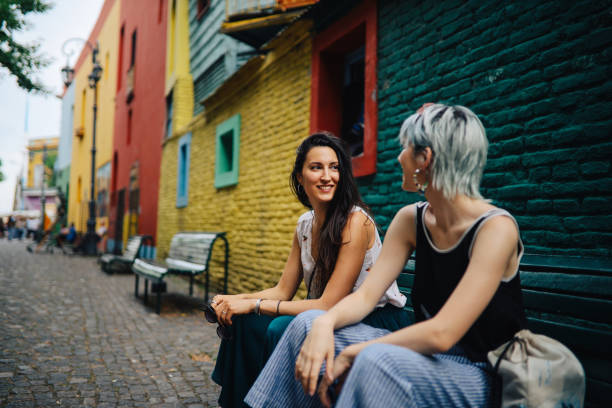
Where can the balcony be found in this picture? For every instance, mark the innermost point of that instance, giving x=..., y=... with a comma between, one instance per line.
x=129, y=90
x=255, y=22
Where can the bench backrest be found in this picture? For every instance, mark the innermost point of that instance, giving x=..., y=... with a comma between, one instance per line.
x=192, y=247
x=132, y=247
x=568, y=299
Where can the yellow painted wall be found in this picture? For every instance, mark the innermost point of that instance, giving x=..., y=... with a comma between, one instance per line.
x=259, y=214
x=80, y=169
x=178, y=77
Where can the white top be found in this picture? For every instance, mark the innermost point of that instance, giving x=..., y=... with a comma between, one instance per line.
x=304, y=235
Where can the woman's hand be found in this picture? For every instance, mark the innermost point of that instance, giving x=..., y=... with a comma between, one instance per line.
x=227, y=306
x=318, y=346
x=342, y=364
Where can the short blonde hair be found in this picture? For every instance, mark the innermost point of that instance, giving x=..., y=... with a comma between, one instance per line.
x=459, y=144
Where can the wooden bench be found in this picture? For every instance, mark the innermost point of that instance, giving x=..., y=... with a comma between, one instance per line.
x=111, y=263
x=568, y=299
x=189, y=255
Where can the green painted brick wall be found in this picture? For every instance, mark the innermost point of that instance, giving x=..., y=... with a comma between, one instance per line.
x=539, y=76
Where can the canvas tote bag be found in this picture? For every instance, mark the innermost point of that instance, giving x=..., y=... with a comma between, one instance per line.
x=537, y=371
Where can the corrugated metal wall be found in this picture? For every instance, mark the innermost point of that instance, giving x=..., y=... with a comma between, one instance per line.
x=209, y=50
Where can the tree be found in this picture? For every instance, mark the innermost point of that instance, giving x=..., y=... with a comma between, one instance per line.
x=21, y=60
x=1, y=174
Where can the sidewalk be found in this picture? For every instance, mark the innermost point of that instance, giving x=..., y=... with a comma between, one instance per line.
x=70, y=335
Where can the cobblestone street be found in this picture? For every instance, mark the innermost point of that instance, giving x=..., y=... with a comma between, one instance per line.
x=72, y=335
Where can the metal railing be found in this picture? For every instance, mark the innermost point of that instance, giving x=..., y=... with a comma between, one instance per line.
x=243, y=8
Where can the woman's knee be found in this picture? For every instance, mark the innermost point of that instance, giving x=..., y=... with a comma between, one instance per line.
x=304, y=319
x=277, y=327
x=379, y=354
x=301, y=324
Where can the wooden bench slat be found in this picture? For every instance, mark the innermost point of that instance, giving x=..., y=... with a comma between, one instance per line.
x=574, y=337
x=569, y=305
x=405, y=280
x=149, y=269
x=571, y=284
x=181, y=265
x=574, y=265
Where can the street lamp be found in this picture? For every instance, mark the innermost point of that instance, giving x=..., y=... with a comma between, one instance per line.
x=90, y=241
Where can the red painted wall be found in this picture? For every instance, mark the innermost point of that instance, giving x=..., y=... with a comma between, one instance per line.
x=147, y=105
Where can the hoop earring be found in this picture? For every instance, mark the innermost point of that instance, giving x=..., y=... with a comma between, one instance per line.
x=421, y=188
x=300, y=189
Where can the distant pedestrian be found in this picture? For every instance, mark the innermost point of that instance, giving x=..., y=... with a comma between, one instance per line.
x=1, y=227
x=11, y=227
x=20, y=226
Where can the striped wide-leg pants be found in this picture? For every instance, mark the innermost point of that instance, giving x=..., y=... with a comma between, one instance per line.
x=382, y=375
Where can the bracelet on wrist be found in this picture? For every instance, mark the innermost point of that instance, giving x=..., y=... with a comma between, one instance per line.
x=257, y=307
x=277, y=306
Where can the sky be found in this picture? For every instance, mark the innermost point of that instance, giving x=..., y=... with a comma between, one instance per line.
x=67, y=19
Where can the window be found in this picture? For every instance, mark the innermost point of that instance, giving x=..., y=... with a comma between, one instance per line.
x=206, y=83
x=133, y=55
x=38, y=175
x=83, y=98
x=106, y=65
x=227, y=152
x=129, y=127
x=79, y=190
x=169, y=115
x=343, y=87
x=120, y=59
x=134, y=201
x=115, y=170
x=172, y=36
x=203, y=6
x=103, y=181
x=182, y=182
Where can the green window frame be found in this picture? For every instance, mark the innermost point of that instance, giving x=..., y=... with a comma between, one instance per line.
x=227, y=152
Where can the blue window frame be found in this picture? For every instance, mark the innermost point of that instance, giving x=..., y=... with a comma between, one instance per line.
x=182, y=182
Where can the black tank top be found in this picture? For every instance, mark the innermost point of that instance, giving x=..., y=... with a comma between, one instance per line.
x=437, y=273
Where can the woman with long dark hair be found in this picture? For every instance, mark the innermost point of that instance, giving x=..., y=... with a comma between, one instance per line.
x=466, y=294
x=334, y=245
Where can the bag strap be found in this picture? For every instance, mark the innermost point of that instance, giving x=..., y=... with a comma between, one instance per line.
x=498, y=383
x=503, y=353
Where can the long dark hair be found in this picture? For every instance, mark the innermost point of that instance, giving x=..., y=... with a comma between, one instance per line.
x=345, y=198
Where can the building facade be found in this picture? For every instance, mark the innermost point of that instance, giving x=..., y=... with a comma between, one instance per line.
x=105, y=35
x=233, y=161
x=140, y=117
x=40, y=178
x=537, y=74
x=40, y=152
x=213, y=56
